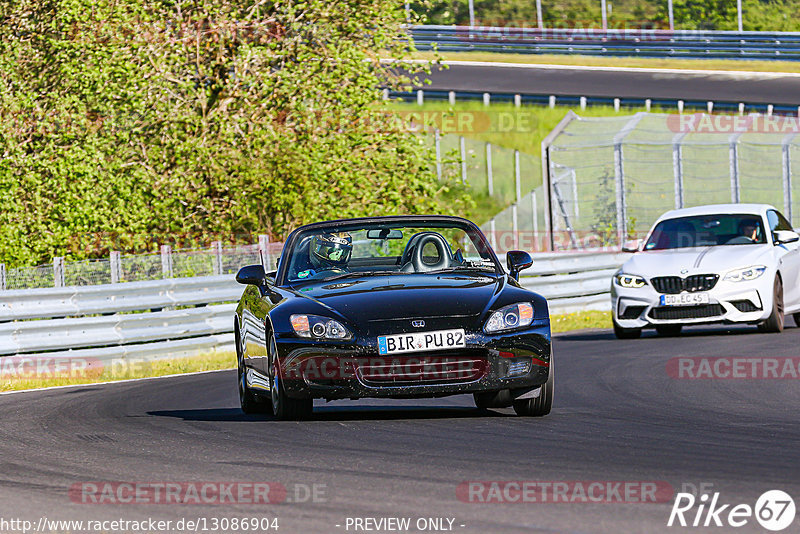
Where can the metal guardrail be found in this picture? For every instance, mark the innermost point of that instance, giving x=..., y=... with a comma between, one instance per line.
x=573, y=282
x=689, y=44
x=87, y=321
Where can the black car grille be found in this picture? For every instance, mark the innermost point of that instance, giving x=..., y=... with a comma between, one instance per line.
x=632, y=312
x=687, y=312
x=675, y=284
x=426, y=369
x=745, y=306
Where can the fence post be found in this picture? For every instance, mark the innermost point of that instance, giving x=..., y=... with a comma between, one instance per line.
x=515, y=226
x=787, y=176
x=619, y=175
x=2, y=276
x=58, y=271
x=437, y=139
x=116, y=268
x=517, y=176
x=263, y=249
x=166, y=261
x=677, y=163
x=216, y=248
x=463, y=146
x=535, y=220
x=489, y=177
x=733, y=153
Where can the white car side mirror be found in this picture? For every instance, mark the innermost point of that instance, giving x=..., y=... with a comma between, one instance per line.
x=631, y=245
x=785, y=236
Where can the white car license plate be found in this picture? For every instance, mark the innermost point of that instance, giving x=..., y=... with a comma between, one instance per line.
x=422, y=341
x=684, y=299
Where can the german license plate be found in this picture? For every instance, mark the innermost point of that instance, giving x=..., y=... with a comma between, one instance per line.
x=684, y=299
x=422, y=341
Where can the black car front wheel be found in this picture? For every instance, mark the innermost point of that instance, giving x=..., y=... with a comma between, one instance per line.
x=248, y=401
x=284, y=407
x=774, y=322
x=541, y=405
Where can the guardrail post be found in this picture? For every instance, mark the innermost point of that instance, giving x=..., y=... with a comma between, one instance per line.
x=517, y=100
x=489, y=177
x=583, y=102
x=647, y=104
x=741, y=109
x=463, y=146
x=486, y=99
x=451, y=98
x=710, y=106
x=680, y=106
x=437, y=140
x=385, y=94
x=552, y=101
x=58, y=271
x=115, y=266
x=420, y=97
x=616, y=105
x=216, y=248
x=263, y=249
x=2, y=276
x=166, y=261
x=770, y=108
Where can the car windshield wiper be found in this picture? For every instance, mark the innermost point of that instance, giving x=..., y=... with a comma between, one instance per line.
x=454, y=268
x=356, y=274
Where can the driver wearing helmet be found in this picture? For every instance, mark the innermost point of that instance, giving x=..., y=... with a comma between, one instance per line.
x=329, y=254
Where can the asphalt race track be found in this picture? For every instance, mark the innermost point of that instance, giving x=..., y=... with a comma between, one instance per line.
x=617, y=417
x=755, y=88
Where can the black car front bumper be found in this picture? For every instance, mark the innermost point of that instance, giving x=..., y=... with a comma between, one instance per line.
x=517, y=360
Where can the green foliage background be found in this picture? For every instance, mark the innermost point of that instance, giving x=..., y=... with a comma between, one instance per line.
x=126, y=123
x=757, y=15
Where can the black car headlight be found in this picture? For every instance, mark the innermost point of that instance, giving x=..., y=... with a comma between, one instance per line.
x=317, y=327
x=633, y=281
x=509, y=318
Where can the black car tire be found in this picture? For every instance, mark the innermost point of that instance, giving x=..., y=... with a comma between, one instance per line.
x=796, y=319
x=283, y=406
x=776, y=319
x=669, y=330
x=541, y=405
x=626, y=333
x=248, y=401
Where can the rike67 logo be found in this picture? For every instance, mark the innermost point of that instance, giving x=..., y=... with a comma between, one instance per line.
x=774, y=510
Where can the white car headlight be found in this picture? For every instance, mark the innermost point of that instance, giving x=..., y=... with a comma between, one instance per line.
x=745, y=273
x=509, y=318
x=317, y=327
x=630, y=280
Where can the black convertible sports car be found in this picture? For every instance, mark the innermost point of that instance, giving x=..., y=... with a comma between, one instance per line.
x=400, y=307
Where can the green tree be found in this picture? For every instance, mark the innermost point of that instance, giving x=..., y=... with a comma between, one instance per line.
x=127, y=123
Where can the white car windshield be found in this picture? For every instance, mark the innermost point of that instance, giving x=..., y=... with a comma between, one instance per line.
x=707, y=230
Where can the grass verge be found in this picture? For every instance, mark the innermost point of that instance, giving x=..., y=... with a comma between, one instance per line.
x=593, y=61
x=579, y=321
x=226, y=360
x=16, y=377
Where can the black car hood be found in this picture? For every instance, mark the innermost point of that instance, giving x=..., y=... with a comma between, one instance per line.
x=411, y=296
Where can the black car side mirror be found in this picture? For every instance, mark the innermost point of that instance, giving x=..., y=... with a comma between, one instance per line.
x=517, y=261
x=251, y=275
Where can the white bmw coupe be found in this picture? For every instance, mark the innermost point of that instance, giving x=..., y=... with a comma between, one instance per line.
x=733, y=263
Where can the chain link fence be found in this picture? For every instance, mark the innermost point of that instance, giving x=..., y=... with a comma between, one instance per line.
x=120, y=268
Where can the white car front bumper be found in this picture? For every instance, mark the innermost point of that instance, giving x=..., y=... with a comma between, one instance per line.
x=738, y=302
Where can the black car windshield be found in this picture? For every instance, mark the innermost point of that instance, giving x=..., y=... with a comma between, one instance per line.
x=388, y=248
x=707, y=230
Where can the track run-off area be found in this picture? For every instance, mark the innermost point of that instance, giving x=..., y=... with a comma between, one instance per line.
x=617, y=82
x=621, y=415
